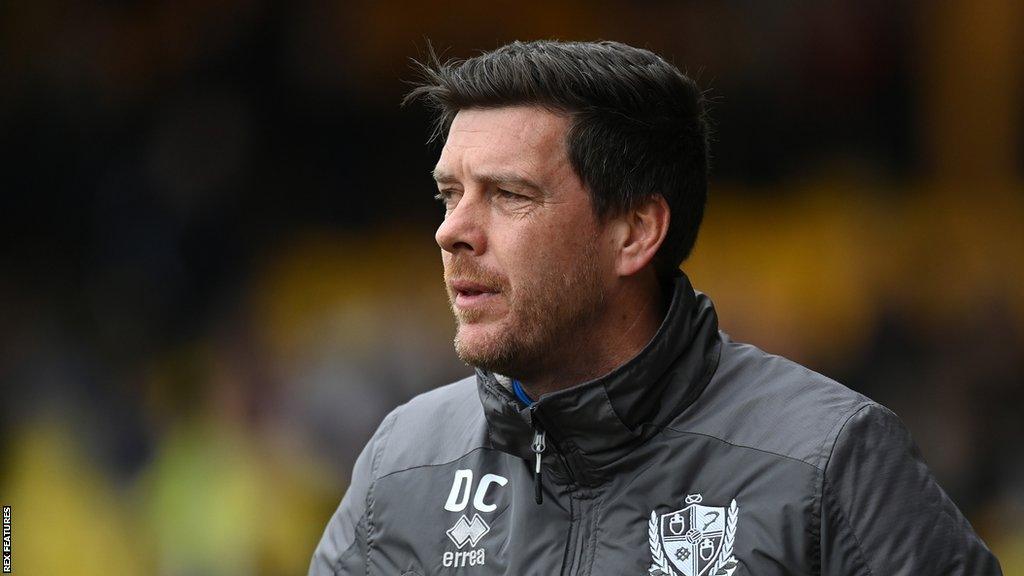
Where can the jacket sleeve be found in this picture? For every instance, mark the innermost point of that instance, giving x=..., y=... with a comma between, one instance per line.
x=882, y=512
x=343, y=547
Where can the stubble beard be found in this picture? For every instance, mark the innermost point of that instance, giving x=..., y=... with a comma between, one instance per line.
x=545, y=316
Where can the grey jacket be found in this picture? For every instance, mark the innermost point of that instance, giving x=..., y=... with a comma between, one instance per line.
x=699, y=457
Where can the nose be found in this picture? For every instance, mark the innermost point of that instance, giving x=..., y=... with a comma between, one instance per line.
x=463, y=228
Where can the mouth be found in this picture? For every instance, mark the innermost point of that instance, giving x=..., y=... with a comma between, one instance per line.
x=472, y=294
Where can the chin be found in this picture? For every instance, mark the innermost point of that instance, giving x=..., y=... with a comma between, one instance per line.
x=486, y=346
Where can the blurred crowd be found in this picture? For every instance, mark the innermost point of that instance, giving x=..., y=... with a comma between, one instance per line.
x=219, y=270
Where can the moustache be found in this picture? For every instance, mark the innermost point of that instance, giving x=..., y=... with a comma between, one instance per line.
x=466, y=271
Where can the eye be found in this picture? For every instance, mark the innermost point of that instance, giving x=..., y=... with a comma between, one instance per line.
x=510, y=195
x=446, y=197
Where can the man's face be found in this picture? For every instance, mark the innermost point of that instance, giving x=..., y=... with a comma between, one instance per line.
x=526, y=261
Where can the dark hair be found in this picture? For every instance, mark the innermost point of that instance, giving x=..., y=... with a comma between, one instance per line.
x=639, y=126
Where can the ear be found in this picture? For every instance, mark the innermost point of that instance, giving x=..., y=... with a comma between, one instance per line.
x=642, y=230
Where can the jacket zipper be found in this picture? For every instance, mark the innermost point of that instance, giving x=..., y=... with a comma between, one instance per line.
x=574, y=535
x=538, y=446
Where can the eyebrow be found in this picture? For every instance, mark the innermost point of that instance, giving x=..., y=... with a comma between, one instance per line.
x=497, y=178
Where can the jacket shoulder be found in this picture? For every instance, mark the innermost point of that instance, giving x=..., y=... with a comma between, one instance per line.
x=772, y=404
x=436, y=427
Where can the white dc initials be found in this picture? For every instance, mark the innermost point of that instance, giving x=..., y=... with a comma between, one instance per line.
x=462, y=486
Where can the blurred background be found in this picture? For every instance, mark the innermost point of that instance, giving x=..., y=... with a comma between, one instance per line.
x=219, y=273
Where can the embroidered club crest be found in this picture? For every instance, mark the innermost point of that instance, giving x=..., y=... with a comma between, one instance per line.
x=694, y=541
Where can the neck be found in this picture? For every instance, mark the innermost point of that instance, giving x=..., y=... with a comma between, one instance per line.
x=630, y=320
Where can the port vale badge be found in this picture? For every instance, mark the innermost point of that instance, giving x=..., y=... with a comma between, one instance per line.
x=693, y=541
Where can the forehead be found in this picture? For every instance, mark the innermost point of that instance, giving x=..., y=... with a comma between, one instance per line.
x=525, y=139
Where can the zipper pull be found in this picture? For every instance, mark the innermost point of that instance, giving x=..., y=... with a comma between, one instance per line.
x=538, y=448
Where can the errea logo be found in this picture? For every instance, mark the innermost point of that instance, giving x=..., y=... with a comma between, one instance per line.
x=466, y=531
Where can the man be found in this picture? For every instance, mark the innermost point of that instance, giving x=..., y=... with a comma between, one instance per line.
x=610, y=427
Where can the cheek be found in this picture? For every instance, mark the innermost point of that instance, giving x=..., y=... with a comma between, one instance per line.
x=570, y=239
x=547, y=245
x=533, y=250
x=545, y=252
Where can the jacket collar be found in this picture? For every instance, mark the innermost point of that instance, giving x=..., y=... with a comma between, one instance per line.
x=595, y=424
